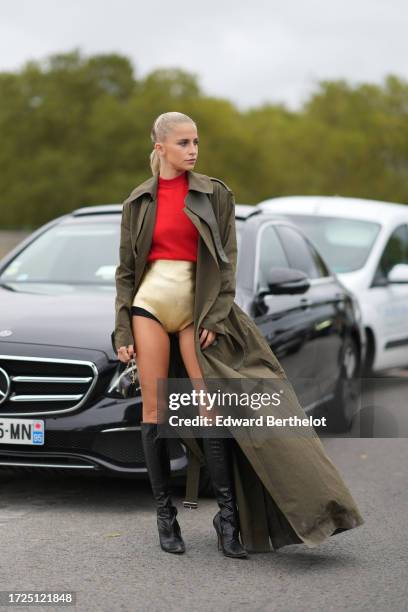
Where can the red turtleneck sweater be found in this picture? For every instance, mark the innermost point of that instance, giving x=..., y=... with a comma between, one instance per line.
x=174, y=236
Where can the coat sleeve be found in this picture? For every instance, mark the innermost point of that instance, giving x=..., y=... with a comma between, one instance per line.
x=222, y=305
x=124, y=278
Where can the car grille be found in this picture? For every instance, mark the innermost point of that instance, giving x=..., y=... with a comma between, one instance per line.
x=40, y=385
x=122, y=447
x=126, y=447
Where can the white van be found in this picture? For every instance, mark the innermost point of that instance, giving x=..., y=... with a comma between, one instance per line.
x=365, y=242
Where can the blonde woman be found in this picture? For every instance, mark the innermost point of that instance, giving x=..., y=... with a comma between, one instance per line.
x=176, y=276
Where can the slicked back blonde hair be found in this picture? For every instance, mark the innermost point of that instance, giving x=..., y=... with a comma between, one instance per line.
x=162, y=126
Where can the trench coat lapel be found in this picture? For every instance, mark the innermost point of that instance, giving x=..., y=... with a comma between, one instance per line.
x=198, y=208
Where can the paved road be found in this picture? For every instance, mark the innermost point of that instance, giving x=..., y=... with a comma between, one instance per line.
x=98, y=538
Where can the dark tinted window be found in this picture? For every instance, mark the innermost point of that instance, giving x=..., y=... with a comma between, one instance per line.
x=320, y=265
x=299, y=253
x=395, y=252
x=271, y=253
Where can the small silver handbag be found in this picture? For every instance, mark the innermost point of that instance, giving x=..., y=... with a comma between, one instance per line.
x=128, y=382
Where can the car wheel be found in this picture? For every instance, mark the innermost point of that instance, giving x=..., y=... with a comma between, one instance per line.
x=342, y=408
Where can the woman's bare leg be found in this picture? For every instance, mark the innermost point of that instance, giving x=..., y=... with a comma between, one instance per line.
x=152, y=349
x=191, y=363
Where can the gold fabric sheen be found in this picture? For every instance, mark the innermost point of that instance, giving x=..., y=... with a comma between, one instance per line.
x=167, y=290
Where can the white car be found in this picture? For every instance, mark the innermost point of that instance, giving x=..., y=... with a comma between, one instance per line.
x=365, y=242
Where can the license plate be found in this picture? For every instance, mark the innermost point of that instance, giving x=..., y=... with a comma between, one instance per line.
x=21, y=431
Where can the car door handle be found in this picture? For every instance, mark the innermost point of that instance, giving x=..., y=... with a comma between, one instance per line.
x=305, y=303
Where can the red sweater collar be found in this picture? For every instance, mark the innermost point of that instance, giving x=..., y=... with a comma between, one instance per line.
x=177, y=181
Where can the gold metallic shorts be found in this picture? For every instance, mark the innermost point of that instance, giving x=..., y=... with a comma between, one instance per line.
x=167, y=292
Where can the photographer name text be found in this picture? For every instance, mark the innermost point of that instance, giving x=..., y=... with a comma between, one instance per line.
x=259, y=421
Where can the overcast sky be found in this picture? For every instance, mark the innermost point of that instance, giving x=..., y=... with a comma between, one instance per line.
x=248, y=51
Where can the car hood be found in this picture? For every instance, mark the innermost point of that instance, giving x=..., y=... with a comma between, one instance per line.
x=58, y=315
x=354, y=281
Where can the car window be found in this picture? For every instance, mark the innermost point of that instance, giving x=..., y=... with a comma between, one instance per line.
x=270, y=254
x=299, y=252
x=344, y=243
x=395, y=252
x=320, y=265
x=85, y=252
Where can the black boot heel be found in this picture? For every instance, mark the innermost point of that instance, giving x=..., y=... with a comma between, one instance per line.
x=228, y=540
x=158, y=466
x=226, y=521
x=219, y=537
x=219, y=541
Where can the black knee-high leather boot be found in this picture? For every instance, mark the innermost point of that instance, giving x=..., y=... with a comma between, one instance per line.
x=158, y=466
x=226, y=522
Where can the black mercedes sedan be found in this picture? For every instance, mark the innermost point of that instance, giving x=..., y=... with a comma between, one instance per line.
x=60, y=406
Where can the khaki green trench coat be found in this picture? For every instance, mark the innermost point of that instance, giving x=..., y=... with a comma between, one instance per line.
x=288, y=490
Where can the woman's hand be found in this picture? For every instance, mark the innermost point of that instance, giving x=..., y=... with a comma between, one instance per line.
x=207, y=337
x=126, y=353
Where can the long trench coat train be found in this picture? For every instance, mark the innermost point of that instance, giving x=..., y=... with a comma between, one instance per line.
x=288, y=490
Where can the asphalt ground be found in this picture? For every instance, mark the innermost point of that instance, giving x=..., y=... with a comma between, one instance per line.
x=98, y=538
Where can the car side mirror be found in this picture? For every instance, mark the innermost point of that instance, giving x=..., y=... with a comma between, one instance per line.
x=284, y=281
x=398, y=274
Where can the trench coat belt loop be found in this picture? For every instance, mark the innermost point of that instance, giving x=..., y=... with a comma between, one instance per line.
x=193, y=479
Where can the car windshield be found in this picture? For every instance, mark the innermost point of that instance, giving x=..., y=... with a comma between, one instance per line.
x=344, y=243
x=84, y=252
x=79, y=253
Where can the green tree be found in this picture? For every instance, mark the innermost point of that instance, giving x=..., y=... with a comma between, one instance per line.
x=75, y=131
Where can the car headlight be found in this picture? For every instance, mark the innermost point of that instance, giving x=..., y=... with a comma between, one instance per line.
x=120, y=386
